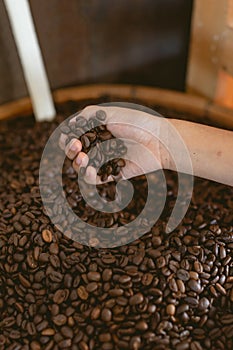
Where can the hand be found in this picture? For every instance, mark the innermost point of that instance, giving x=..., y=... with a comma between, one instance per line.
x=140, y=130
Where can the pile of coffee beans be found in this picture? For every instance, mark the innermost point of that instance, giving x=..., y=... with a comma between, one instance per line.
x=92, y=133
x=162, y=291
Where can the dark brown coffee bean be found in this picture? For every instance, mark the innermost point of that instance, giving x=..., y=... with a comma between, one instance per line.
x=67, y=332
x=83, y=346
x=54, y=249
x=60, y=296
x=108, y=259
x=158, y=291
x=194, y=286
x=192, y=302
x=184, y=345
x=124, y=279
x=181, y=286
x=183, y=275
x=222, y=252
x=121, y=163
x=213, y=291
x=93, y=276
x=59, y=319
x=24, y=281
x=101, y=115
x=198, y=267
x=95, y=314
x=91, y=287
x=105, y=337
x=2, y=340
x=220, y=289
x=106, y=315
x=107, y=275
x=25, y=221
x=204, y=303
x=227, y=319
x=65, y=129
x=85, y=141
x=160, y=262
x=141, y=325
x=173, y=285
x=64, y=344
x=147, y=279
x=8, y=322
x=136, y=299
x=195, y=346
x=82, y=293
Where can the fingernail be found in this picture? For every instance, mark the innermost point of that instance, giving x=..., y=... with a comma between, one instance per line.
x=78, y=161
x=73, y=147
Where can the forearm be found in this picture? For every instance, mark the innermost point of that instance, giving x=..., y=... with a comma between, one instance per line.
x=210, y=149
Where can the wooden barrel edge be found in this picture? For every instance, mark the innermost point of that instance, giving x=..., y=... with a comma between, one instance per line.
x=203, y=109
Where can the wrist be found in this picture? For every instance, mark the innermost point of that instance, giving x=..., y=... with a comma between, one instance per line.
x=165, y=143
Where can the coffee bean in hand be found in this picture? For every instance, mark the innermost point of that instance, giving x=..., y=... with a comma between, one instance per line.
x=92, y=134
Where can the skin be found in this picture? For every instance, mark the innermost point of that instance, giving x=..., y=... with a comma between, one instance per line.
x=210, y=149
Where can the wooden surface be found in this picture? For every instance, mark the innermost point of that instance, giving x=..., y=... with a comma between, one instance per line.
x=206, y=46
x=203, y=109
x=134, y=41
x=210, y=67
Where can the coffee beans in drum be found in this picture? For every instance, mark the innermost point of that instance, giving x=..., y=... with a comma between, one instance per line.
x=92, y=133
x=162, y=291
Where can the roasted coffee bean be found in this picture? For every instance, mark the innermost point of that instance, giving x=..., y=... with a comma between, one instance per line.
x=227, y=319
x=194, y=286
x=220, y=289
x=183, y=275
x=91, y=287
x=82, y=293
x=162, y=291
x=67, y=332
x=106, y=315
x=2, y=340
x=101, y=115
x=94, y=137
x=95, y=314
x=136, y=299
x=93, y=276
x=47, y=236
x=60, y=296
x=65, y=129
x=171, y=309
x=141, y=325
x=65, y=344
x=48, y=332
x=195, y=346
x=147, y=279
x=191, y=301
x=107, y=275
x=59, y=319
x=204, y=303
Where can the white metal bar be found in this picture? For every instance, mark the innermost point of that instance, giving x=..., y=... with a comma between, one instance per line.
x=31, y=58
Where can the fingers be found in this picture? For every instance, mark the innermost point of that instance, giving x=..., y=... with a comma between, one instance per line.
x=87, y=113
x=80, y=161
x=73, y=148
